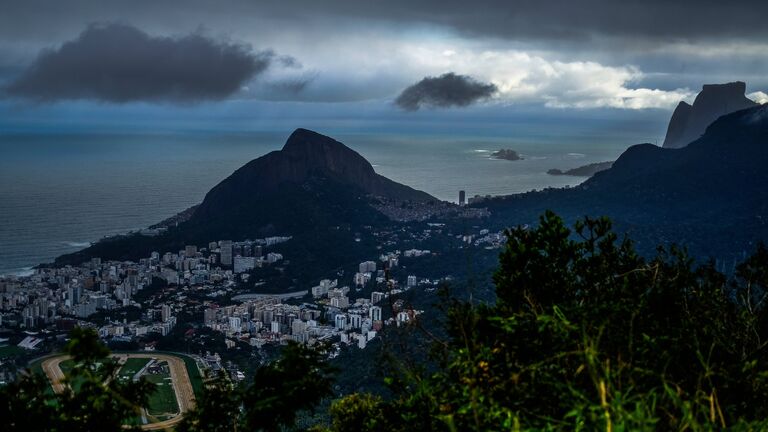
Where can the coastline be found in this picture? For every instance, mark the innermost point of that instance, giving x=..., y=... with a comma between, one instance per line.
x=18, y=272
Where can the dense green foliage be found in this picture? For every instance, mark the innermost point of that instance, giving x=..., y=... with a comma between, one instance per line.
x=709, y=195
x=93, y=401
x=96, y=400
x=217, y=409
x=587, y=335
x=297, y=381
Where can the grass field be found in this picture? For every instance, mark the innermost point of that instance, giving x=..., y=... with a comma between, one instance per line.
x=66, y=366
x=131, y=367
x=162, y=402
x=195, y=378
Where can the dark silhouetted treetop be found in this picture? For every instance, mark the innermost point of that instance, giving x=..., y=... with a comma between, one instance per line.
x=588, y=335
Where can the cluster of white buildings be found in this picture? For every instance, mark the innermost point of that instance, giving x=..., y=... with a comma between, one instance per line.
x=334, y=316
x=155, y=320
x=486, y=239
x=415, y=253
x=337, y=315
x=240, y=256
x=49, y=294
x=266, y=320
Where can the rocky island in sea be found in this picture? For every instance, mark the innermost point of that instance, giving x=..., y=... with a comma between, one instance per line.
x=506, y=154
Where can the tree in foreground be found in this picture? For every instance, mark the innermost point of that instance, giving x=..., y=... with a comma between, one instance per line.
x=584, y=335
x=91, y=401
x=95, y=401
x=587, y=335
x=296, y=382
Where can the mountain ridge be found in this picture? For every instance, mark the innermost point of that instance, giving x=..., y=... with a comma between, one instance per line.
x=709, y=195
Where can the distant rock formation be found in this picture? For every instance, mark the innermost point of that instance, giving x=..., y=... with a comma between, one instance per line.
x=306, y=155
x=315, y=189
x=689, y=122
x=506, y=154
x=583, y=171
x=709, y=196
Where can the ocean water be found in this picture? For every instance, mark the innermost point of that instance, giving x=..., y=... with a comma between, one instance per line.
x=60, y=192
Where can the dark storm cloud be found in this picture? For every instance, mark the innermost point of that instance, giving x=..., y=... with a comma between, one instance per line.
x=575, y=19
x=559, y=19
x=120, y=63
x=650, y=20
x=612, y=33
x=447, y=90
x=289, y=62
x=294, y=86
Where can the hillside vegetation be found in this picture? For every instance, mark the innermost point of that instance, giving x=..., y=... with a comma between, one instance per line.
x=585, y=334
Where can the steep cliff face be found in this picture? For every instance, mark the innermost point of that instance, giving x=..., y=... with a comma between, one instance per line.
x=678, y=126
x=689, y=122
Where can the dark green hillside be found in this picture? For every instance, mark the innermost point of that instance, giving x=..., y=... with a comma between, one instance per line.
x=709, y=195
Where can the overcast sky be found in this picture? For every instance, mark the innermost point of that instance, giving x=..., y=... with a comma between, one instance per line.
x=399, y=59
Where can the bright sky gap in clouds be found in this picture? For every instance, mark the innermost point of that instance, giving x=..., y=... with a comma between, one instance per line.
x=559, y=55
x=519, y=76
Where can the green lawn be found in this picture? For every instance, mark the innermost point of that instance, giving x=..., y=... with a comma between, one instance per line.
x=195, y=378
x=67, y=365
x=162, y=402
x=131, y=367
